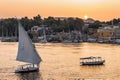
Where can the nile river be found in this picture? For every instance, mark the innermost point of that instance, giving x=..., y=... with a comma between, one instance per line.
x=62, y=62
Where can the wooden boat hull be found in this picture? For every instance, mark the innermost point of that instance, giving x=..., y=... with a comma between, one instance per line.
x=27, y=70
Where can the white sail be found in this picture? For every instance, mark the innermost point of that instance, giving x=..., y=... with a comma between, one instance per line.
x=26, y=50
x=45, y=40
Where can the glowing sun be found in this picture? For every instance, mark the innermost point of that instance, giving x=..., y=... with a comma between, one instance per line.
x=85, y=17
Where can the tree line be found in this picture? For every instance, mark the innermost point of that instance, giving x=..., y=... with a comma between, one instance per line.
x=9, y=26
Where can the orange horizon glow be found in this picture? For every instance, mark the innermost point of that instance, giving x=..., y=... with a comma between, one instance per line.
x=97, y=9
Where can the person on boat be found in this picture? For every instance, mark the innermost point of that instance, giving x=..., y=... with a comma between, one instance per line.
x=22, y=67
x=27, y=68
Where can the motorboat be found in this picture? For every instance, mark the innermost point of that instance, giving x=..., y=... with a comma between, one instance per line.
x=92, y=61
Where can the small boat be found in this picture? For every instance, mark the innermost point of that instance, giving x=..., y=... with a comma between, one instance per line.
x=27, y=53
x=91, y=40
x=100, y=41
x=92, y=61
x=44, y=39
x=27, y=68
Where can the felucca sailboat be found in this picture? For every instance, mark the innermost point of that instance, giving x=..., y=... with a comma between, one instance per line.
x=27, y=53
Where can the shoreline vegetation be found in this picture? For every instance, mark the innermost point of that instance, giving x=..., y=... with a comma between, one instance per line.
x=62, y=29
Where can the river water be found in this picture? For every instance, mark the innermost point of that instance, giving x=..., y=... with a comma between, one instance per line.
x=62, y=62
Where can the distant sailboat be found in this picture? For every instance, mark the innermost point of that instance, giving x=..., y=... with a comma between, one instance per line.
x=44, y=40
x=27, y=53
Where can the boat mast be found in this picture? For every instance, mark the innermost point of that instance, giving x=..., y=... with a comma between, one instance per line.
x=2, y=31
x=33, y=65
x=44, y=33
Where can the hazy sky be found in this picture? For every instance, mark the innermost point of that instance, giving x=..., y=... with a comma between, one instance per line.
x=96, y=9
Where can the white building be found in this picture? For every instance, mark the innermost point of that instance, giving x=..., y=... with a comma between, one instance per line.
x=89, y=21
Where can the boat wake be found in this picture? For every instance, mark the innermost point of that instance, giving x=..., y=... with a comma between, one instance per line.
x=7, y=70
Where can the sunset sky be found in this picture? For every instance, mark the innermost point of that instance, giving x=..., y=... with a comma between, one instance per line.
x=97, y=9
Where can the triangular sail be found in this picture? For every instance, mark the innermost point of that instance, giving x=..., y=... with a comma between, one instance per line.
x=26, y=50
x=45, y=40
